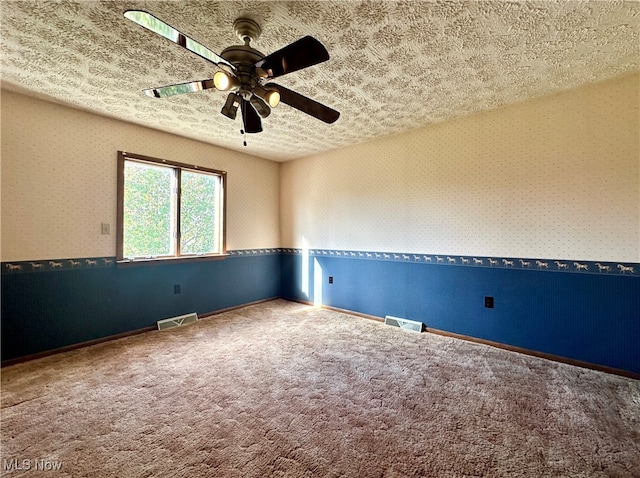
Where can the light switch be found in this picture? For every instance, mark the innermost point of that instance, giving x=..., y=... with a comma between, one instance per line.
x=105, y=228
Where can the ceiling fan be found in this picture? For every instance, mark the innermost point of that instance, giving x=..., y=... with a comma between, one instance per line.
x=245, y=72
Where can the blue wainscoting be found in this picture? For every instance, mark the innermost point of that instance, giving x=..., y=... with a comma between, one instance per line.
x=585, y=312
x=47, y=305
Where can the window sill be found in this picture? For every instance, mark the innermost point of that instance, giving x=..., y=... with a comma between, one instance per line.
x=170, y=260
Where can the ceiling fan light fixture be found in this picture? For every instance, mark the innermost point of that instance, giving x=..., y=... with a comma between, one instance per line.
x=260, y=106
x=230, y=107
x=223, y=81
x=273, y=98
x=270, y=95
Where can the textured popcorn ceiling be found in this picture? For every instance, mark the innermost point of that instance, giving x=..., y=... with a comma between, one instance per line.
x=394, y=66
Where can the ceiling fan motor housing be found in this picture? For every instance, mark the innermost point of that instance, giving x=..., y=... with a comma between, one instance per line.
x=243, y=57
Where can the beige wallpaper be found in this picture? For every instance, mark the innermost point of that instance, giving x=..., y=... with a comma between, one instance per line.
x=556, y=177
x=59, y=181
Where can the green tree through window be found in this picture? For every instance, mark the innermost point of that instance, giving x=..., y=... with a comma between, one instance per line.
x=198, y=216
x=148, y=200
x=168, y=209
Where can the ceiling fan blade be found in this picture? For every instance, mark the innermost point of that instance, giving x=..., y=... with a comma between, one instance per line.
x=250, y=118
x=156, y=25
x=171, y=90
x=306, y=105
x=298, y=55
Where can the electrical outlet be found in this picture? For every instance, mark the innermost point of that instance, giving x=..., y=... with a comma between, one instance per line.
x=105, y=228
x=488, y=302
x=330, y=279
x=176, y=288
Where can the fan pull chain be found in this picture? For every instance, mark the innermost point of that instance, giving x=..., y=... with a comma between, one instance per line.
x=243, y=111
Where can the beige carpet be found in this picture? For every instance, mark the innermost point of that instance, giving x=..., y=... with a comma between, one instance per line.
x=283, y=389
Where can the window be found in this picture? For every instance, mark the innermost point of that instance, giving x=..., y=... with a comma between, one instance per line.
x=169, y=210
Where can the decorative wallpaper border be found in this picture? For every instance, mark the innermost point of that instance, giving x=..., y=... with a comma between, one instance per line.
x=255, y=252
x=16, y=267
x=551, y=265
x=44, y=265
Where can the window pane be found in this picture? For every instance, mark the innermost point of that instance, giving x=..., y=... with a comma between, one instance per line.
x=148, y=210
x=199, y=213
